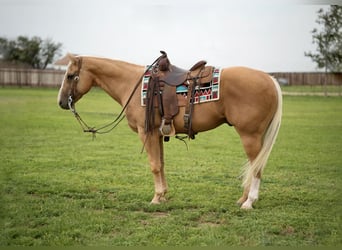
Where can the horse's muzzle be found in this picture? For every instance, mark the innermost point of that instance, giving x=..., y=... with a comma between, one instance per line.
x=63, y=103
x=67, y=103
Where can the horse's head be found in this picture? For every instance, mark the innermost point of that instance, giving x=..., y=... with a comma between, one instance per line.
x=76, y=83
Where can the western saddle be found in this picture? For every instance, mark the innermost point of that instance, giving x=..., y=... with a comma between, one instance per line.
x=161, y=93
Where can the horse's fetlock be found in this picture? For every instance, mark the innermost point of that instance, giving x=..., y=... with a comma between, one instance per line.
x=155, y=171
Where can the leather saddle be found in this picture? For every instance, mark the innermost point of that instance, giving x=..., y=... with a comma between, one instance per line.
x=164, y=80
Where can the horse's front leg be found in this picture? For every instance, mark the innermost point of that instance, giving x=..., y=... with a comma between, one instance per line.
x=155, y=150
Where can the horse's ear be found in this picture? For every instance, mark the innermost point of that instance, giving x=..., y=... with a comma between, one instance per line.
x=72, y=57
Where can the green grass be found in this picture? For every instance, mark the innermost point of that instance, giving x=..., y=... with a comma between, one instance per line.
x=331, y=89
x=60, y=188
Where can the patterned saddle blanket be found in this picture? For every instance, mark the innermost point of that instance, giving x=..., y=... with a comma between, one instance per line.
x=205, y=92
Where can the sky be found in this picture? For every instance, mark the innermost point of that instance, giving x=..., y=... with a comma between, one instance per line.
x=271, y=35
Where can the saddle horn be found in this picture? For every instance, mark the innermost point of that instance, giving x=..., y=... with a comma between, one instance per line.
x=164, y=63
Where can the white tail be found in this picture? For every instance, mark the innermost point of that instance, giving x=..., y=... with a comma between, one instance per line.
x=251, y=169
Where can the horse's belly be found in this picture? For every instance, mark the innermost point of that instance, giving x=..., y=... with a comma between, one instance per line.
x=205, y=117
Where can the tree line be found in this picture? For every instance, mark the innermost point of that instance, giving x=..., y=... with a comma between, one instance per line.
x=35, y=52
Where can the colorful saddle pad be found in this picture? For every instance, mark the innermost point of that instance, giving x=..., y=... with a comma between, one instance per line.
x=206, y=92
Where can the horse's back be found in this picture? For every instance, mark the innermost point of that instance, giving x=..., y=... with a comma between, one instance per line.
x=247, y=80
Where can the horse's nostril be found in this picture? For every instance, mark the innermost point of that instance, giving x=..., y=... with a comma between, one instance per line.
x=62, y=105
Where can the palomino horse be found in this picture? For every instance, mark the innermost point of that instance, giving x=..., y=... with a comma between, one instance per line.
x=250, y=100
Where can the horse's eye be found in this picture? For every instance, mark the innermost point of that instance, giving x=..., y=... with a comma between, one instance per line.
x=70, y=77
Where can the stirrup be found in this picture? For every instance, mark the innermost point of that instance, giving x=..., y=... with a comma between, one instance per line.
x=167, y=129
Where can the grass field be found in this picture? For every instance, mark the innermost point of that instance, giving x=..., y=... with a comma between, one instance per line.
x=60, y=188
x=331, y=90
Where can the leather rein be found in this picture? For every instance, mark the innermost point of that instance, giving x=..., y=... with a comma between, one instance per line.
x=75, y=77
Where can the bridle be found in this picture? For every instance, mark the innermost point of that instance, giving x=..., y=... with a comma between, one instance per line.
x=75, y=77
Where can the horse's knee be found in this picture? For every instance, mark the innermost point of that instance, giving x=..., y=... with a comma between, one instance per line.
x=155, y=169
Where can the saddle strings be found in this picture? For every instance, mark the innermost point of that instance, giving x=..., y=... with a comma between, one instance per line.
x=110, y=126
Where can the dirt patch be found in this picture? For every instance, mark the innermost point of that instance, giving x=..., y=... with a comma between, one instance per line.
x=155, y=216
x=288, y=230
x=160, y=214
x=209, y=224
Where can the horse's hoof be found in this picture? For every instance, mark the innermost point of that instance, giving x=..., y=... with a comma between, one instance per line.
x=153, y=202
x=158, y=198
x=157, y=202
x=247, y=206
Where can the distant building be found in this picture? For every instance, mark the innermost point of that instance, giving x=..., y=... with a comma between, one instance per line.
x=63, y=62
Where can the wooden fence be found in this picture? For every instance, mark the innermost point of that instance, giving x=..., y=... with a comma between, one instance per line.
x=308, y=78
x=31, y=77
x=54, y=78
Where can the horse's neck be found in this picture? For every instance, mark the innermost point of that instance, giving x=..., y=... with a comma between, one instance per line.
x=117, y=78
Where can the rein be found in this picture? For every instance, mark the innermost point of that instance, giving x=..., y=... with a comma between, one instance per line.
x=110, y=126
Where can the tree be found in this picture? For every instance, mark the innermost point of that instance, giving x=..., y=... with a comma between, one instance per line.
x=49, y=51
x=35, y=52
x=328, y=40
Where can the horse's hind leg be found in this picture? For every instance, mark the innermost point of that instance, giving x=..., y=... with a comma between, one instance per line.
x=252, y=145
x=253, y=193
x=155, y=151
